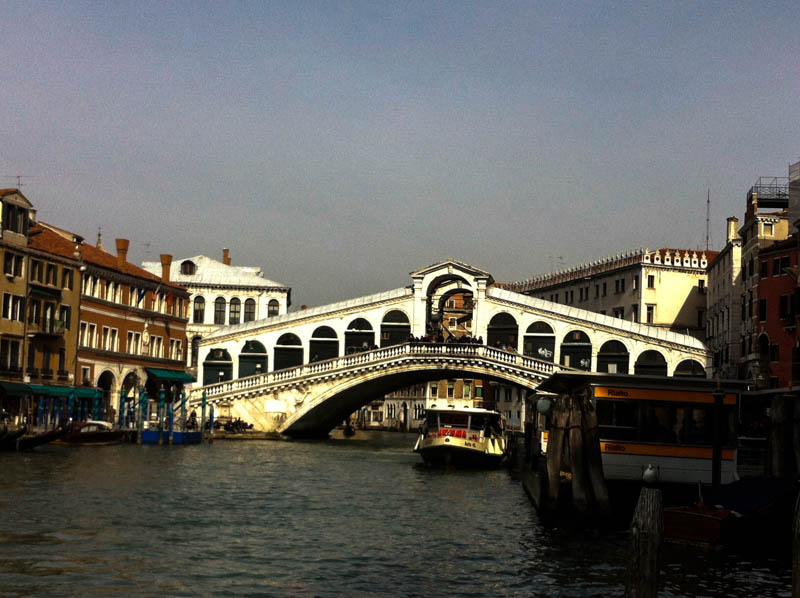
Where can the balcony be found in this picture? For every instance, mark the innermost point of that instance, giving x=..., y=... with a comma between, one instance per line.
x=48, y=327
x=47, y=373
x=62, y=374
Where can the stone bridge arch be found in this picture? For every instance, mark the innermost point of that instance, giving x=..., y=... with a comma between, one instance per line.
x=318, y=411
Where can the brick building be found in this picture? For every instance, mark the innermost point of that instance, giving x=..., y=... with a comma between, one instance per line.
x=132, y=328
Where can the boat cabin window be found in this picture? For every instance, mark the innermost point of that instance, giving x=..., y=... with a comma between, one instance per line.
x=662, y=422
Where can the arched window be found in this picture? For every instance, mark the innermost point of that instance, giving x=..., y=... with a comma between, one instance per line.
x=199, y=310
x=613, y=358
x=502, y=331
x=395, y=328
x=236, y=310
x=188, y=267
x=650, y=363
x=195, y=350
x=219, y=310
x=273, y=307
x=249, y=310
x=324, y=344
x=539, y=341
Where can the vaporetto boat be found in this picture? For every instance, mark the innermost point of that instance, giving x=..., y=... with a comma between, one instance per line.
x=462, y=437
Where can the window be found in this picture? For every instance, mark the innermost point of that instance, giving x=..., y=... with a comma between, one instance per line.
x=701, y=286
x=701, y=318
x=175, y=350
x=15, y=218
x=82, y=334
x=651, y=281
x=249, y=310
x=619, y=312
x=451, y=303
x=12, y=264
x=188, y=267
x=85, y=373
x=273, y=307
x=13, y=307
x=635, y=282
x=66, y=278
x=9, y=355
x=62, y=360
x=596, y=291
x=767, y=229
x=762, y=310
x=91, y=335
x=450, y=391
x=112, y=340
x=37, y=273
x=157, y=344
x=604, y=289
x=104, y=338
x=34, y=311
x=651, y=313
x=235, y=311
x=451, y=323
x=634, y=313
x=764, y=269
x=434, y=390
x=783, y=306
x=65, y=316
x=219, y=311
x=52, y=274
x=199, y=310
x=774, y=352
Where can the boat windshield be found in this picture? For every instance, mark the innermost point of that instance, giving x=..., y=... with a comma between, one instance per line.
x=476, y=421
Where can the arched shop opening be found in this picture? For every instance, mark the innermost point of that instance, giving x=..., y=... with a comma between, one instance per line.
x=689, y=368
x=650, y=363
x=502, y=331
x=539, y=341
x=359, y=336
x=613, y=358
x=395, y=328
x=107, y=383
x=576, y=350
x=217, y=367
x=288, y=351
x=252, y=359
x=324, y=344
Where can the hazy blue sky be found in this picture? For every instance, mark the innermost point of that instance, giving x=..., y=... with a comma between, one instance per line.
x=341, y=145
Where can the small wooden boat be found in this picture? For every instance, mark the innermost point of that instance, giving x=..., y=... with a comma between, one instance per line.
x=92, y=432
x=9, y=440
x=17, y=440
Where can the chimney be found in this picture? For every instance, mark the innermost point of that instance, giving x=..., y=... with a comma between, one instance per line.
x=733, y=228
x=166, y=263
x=226, y=256
x=122, y=252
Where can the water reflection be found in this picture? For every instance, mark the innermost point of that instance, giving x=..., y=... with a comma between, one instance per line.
x=342, y=517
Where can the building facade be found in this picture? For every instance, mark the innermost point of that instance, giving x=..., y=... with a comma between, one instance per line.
x=41, y=299
x=724, y=314
x=665, y=288
x=766, y=222
x=221, y=294
x=132, y=328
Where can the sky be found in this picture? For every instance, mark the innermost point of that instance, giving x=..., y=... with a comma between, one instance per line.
x=342, y=145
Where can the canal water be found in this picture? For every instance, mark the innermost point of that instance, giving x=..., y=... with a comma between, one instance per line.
x=341, y=517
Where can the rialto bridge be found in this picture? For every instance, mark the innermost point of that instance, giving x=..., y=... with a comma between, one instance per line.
x=301, y=373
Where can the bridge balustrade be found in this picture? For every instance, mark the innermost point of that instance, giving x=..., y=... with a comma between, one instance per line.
x=376, y=356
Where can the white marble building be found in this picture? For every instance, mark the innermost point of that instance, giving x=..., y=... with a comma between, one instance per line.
x=222, y=295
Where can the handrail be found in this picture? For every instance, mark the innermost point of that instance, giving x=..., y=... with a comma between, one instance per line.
x=345, y=362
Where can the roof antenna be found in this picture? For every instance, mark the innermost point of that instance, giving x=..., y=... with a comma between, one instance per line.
x=708, y=220
x=19, y=178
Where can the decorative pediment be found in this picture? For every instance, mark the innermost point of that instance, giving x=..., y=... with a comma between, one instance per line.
x=452, y=267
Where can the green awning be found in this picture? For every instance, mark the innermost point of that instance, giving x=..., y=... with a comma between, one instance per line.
x=170, y=375
x=17, y=389
x=45, y=292
x=45, y=390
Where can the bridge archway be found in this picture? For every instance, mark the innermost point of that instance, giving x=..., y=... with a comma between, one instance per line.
x=539, y=341
x=217, y=367
x=359, y=336
x=288, y=351
x=108, y=382
x=613, y=358
x=252, y=359
x=395, y=328
x=324, y=344
x=502, y=331
x=576, y=350
x=327, y=408
x=650, y=363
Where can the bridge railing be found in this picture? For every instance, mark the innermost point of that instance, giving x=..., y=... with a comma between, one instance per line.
x=376, y=356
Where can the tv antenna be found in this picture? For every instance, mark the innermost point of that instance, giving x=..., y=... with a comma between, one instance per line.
x=708, y=220
x=19, y=178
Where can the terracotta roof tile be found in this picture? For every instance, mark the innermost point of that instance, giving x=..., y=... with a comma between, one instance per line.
x=53, y=242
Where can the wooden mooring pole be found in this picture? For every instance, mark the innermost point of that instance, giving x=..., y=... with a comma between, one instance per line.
x=796, y=550
x=647, y=534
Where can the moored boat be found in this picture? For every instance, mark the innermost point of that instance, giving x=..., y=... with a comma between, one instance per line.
x=463, y=437
x=92, y=432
